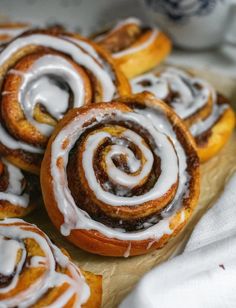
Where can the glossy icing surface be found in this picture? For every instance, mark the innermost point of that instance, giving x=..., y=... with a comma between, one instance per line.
x=190, y=95
x=13, y=234
x=51, y=79
x=167, y=147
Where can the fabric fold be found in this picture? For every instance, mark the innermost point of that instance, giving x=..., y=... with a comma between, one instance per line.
x=205, y=274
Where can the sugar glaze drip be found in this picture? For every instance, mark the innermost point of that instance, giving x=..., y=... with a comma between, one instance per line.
x=16, y=231
x=190, y=99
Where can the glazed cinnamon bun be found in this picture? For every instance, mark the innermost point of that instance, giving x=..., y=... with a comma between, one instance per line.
x=120, y=178
x=18, y=191
x=207, y=114
x=136, y=48
x=43, y=74
x=36, y=273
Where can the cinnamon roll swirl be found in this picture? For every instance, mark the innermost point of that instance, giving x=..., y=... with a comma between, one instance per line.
x=18, y=191
x=120, y=178
x=136, y=48
x=36, y=273
x=207, y=114
x=43, y=74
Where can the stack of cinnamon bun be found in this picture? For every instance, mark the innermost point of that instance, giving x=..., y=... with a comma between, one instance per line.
x=117, y=143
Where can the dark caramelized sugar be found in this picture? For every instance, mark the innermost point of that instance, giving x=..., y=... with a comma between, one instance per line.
x=4, y=178
x=171, y=97
x=6, y=280
x=145, y=83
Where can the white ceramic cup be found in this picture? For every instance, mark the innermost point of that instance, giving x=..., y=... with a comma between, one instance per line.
x=195, y=24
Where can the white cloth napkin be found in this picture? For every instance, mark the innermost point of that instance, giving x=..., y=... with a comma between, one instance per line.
x=204, y=276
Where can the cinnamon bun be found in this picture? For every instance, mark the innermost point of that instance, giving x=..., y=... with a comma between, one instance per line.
x=43, y=74
x=207, y=114
x=36, y=273
x=120, y=178
x=18, y=191
x=135, y=47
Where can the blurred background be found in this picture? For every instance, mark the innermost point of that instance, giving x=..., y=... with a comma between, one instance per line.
x=87, y=16
x=83, y=15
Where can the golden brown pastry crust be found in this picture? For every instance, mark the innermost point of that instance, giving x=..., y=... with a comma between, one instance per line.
x=215, y=118
x=19, y=192
x=34, y=245
x=136, y=49
x=94, y=241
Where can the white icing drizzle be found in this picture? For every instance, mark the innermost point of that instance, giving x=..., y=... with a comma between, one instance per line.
x=190, y=99
x=37, y=261
x=84, y=45
x=14, y=192
x=62, y=45
x=38, y=87
x=93, y=53
x=159, y=127
x=127, y=252
x=161, y=123
x=50, y=279
x=127, y=21
x=156, y=85
x=8, y=255
x=165, y=150
x=12, y=31
x=11, y=143
x=182, y=217
x=150, y=244
x=17, y=268
x=15, y=178
x=131, y=50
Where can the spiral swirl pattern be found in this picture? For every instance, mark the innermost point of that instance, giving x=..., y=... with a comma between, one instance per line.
x=43, y=75
x=122, y=165
x=120, y=39
x=34, y=272
x=207, y=113
x=135, y=47
x=192, y=98
x=15, y=191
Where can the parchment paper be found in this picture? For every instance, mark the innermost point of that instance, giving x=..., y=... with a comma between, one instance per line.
x=120, y=274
